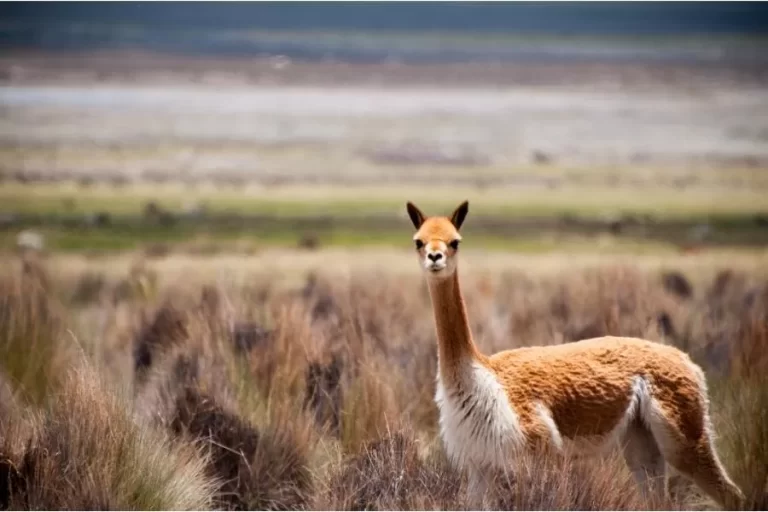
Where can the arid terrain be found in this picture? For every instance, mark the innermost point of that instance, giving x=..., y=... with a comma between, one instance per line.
x=286, y=381
x=209, y=297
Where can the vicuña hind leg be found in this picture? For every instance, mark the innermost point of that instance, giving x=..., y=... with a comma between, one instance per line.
x=708, y=473
x=644, y=459
x=694, y=455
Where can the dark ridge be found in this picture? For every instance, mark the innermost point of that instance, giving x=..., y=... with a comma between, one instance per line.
x=522, y=17
x=211, y=28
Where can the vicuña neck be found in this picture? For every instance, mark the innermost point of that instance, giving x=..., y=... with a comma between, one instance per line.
x=455, y=344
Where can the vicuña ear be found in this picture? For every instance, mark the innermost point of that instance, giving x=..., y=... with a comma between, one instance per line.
x=416, y=216
x=457, y=219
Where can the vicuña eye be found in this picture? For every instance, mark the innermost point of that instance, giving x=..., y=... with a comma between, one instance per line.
x=454, y=245
x=419, y=244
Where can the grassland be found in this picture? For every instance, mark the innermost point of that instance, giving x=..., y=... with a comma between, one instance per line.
x=292, y=379
x=335, y=200
x=107, y=218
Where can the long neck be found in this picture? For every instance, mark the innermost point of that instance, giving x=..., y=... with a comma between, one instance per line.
x=455, y=344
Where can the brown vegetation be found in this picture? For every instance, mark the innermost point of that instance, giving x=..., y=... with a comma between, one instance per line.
x=389, y=474
x=320, y=395
x=85, y=452
x=568, y=483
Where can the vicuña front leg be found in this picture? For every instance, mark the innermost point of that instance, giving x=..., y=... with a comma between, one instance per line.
x=477, y=488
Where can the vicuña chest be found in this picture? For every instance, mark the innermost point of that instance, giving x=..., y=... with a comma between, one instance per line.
x=478, y=425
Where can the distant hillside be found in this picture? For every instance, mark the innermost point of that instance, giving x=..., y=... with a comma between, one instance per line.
x=505, y=17
x=407, y=31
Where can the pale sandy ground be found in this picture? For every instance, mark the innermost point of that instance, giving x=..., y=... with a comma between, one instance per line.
x=253, y=128
x=504, y=125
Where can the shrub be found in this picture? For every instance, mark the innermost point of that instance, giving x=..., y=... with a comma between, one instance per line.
x=87, y=452
x=389, y=474
x=196, y=396
x=260, y=470
x=549, y=481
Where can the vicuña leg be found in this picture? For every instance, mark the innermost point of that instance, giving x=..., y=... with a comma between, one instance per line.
x=709, y=474
x=477, y=487
x=644, y=459
x=694, y=457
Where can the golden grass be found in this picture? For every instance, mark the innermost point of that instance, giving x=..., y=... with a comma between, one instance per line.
x=306, y=380
x=87, y=452
x=33, y=344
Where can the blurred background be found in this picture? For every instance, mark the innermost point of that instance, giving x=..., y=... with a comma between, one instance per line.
x=204, y=243
x=211, y=127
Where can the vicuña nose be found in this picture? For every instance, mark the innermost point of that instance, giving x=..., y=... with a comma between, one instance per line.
x=435, y=256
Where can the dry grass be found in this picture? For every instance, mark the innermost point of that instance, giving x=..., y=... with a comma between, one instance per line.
x=86, y=452
x=390, y=474
x=564, y=482
x=745, y=443
x=743, y=394
x=33, y=348
x=263, y=392
x=202, y=392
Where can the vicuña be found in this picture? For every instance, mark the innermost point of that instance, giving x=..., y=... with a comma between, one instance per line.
x=588, y=395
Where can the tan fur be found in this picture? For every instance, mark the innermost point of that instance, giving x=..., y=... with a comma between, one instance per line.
x=586, y=383
x=650, y=398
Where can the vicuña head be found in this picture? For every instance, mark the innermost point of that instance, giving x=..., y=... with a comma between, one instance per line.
x=586, y=395
x=437, y=240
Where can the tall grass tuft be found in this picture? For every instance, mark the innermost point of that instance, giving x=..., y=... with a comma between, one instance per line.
x=200, y=393
x=259, y=469
x=741, y=422
x=87, y=452
x=263, y=395
x=740, y=403
x=7, y=399
x=550, y=481
x=390, y=474
x=32, y=345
